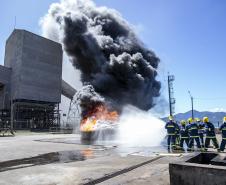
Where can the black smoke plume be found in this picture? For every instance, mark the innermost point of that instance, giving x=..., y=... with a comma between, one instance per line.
x=104, y=47
x=88, y=99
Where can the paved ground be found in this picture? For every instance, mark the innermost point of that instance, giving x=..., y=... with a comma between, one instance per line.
x=45, y=159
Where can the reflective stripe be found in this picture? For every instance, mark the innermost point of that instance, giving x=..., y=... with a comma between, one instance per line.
x=224, y=138
x=193, y=129
x=171, y=134
x=210, y=137
x=194, y=136
x=224, y=129
x=184, y=137
x=170, y=126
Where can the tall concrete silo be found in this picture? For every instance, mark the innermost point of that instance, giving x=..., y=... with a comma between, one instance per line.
x=31, y=81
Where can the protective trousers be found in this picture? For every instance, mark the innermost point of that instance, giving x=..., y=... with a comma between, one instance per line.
x=201, y=136
x=214, y=140
x=171, y=141
x=182, y=140
x=191, y=142
x=223, y=143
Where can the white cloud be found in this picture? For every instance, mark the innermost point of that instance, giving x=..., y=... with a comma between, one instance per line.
x=218, y=109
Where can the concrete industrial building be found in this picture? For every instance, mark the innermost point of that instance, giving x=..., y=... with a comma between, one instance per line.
x=31, y=82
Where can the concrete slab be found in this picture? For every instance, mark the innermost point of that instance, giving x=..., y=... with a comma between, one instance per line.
x=155, y=173
x=220, y=160
x=68, y=173
x=197, y=169
x=102, y=162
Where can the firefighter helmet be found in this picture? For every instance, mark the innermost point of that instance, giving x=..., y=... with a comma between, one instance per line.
x=205, y=119
x=197, y=120
x=190, y=120
x=183, y=122
x=224, y=119
x=171, y=118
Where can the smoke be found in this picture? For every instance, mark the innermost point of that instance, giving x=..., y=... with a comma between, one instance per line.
x=106, y=50
x=140, y=128
x=88, y=99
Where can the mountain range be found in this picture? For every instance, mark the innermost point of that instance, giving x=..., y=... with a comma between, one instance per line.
x=214, y=117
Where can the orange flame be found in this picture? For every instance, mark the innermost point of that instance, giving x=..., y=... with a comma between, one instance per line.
x=100, y=113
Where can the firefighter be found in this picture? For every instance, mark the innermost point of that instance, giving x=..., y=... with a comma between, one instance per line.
x=193, y=134
x=201, y=131
x=223, y=130
x=210, y=134
x=184, y=137
x=171, y=131
x=177, y=136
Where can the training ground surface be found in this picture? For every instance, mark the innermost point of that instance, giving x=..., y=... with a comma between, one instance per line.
x=51, y=159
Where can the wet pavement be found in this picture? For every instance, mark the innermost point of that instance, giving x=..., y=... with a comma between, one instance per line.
x=64, y=159
x=115, y=146
x=43, y=159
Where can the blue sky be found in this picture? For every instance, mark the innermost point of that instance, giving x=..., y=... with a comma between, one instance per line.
x=188, y=36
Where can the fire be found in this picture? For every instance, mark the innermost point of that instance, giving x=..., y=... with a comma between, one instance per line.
x=87, y=152
x=100, y=113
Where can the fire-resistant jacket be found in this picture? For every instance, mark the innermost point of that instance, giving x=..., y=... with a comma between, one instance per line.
x=202, y=128
x=193, y=130
x=210, y=130
x=223, y=129
x=184, y=132
x=177, y=129
x=171, y=128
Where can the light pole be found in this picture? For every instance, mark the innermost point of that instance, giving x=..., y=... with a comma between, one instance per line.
x=192, y=105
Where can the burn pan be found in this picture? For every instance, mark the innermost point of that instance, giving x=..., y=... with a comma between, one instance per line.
x=100, y=134
x=88, y=136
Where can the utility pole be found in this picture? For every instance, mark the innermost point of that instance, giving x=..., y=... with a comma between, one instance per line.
x=192, y=105
x=172, y=100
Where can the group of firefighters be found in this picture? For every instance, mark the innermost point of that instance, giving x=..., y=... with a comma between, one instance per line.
x=200, y=131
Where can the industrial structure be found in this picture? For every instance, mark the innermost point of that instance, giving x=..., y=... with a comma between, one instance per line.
x=31, y=82
x=172, y=100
